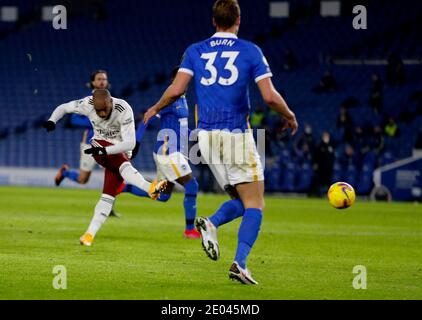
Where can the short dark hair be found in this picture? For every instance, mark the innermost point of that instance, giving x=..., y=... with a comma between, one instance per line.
x=94, y=74
x=225, y=13
x=101, y=93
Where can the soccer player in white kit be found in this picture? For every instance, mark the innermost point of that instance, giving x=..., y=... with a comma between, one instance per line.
x=98, y=80
x=111, y=147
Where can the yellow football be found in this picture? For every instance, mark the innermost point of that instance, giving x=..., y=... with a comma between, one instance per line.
x=341, y=195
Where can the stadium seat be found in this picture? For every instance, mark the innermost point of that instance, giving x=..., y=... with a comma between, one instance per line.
x=288, y=179
x=304, y=176
x=53, y=79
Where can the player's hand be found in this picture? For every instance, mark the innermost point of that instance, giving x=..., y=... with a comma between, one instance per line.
x=96, y=151
x=291, y=123
x=49, y=125
x=151, y=112
x=135, y=150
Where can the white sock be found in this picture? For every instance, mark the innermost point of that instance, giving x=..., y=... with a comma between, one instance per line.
x=101, y=213
x=133, y=177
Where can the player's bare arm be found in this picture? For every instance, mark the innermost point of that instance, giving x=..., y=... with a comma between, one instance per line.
x=276, y=102
x=172, y=93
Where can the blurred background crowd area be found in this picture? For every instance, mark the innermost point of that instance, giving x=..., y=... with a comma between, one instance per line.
x=357, y=93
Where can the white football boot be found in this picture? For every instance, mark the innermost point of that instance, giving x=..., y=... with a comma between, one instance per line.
x=209, y=237
x=240, y=274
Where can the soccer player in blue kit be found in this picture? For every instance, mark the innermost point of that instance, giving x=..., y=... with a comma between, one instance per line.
x=222, y=67
x=170, y=155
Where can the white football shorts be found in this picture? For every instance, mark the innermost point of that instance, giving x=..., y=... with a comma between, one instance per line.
x=172, y=166
x=232, y=157
x=87, y=161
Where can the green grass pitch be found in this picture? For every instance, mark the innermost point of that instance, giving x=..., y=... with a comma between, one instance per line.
x=306, y=249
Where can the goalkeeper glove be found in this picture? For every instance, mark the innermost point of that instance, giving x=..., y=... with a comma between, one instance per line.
x=96, y=151
x=49, y=125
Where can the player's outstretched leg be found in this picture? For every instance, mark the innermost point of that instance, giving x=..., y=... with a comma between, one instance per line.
x=229, y=211
x=63, y=173
x=135, y=178
x=81, y=177
x=189, y=203
x=252, y=195
x=101, y=213
x=248, y=233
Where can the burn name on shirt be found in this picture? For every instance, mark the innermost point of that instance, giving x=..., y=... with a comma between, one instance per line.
x=222, y=42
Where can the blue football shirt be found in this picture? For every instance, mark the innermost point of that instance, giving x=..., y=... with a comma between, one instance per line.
x=222, y=68
x=174, y=132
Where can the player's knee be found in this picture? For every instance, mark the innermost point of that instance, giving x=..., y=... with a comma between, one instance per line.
x=191, y=187
x=258, y=203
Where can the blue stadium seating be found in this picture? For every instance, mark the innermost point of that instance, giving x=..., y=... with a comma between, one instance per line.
x=304, y=176
x=44, y=67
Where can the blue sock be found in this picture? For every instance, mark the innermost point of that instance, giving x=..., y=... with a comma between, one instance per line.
x=229, y=211
x=163, y=197
x=189, y=203
x=248, y=232
x=71, y=174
